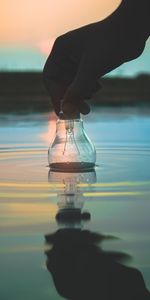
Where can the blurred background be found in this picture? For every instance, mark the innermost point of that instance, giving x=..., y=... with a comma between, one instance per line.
x=29, y=28
x=27, y=33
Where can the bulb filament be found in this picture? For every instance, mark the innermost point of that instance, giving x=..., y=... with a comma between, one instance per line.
x=70, y=135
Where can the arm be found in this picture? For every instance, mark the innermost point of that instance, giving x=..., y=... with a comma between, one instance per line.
x=80, y=57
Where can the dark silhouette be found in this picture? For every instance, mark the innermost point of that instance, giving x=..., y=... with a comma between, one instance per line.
x=81, y=270
x=18, y=95
x=80, y=57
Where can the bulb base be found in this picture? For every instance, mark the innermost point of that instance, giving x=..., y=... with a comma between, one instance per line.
x=71, y=116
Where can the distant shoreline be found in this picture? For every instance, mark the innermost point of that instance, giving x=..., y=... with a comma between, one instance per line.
x=25, y=92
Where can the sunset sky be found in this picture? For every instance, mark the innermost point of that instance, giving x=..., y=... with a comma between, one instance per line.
x=32, y=22
x=29, y=28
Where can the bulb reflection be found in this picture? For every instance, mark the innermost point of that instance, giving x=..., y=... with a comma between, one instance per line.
x=70, y=199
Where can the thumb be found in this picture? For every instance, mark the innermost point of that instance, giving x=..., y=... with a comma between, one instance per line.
x=74, y=102
x=84, y=85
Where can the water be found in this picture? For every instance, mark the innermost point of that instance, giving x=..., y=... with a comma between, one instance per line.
x=42, y=257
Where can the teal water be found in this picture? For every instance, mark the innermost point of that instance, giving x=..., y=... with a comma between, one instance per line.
x=38, y=263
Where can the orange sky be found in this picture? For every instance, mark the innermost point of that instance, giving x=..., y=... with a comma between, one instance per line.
x=33, y=22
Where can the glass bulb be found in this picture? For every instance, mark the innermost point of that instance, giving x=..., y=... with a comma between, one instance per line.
x=71, y=149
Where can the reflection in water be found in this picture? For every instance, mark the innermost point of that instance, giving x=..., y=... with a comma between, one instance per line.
x=80, y=268
x=70, y=200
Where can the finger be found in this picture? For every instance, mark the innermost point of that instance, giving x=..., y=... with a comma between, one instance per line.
x=98, y=60
x=70, y=109
x=84, y=85
x=56, y=91
x=84, y=108
x=58, y=73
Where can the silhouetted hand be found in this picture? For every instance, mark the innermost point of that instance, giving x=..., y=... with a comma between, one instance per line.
x=80, y=57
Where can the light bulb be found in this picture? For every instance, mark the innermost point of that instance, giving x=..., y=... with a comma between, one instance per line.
x=71, y=149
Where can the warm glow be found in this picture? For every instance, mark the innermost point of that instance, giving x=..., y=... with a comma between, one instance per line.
x=40, y=195
x=29, y=22
x=43, y=185
x=18, y=216
x=32, y=209
x=20, y=153
x=11, y=195
x=45, y=46
x=113, y=194
x=38, y=185
x=50, y=134
x=115, y=184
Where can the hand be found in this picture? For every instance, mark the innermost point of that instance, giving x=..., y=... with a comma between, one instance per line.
x=80, y=57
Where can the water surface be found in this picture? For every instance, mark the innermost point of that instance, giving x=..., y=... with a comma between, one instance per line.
x=116, y=196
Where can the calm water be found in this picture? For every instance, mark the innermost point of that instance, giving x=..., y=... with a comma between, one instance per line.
x=42, y=257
